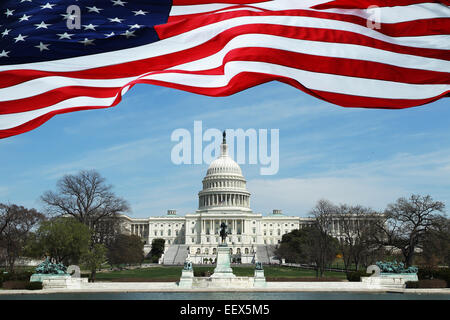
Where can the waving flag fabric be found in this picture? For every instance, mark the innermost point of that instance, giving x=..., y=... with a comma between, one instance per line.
x=59, y=56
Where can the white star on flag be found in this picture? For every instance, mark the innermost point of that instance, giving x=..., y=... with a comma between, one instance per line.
x=47, y=6
x=94, y=9
x=42, y=25
x=20, y=38
x=5, y=32
x=87, y=42
x=65, y=35
x=116, y=19
x=25, y=18
x=90, y=26
x=42, y=46
x=9, y=12
x=128, y=34
x=118, y=3
x=140, y=12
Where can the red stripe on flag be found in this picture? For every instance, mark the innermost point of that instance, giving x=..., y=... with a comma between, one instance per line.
x=197, y=2
x=245, y=80
x=135, y=68
x=307, y=62
x=364, y=4
x=423, y=27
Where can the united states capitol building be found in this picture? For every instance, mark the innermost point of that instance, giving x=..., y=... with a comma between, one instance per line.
x=224, y=198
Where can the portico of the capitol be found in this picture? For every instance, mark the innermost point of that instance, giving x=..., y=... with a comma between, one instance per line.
x=224, y=198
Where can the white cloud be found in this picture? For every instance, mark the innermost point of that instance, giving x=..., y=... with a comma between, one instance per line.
x=373, y=184
x=297, y=196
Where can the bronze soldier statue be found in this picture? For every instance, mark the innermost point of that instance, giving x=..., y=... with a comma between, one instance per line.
x=223, y=232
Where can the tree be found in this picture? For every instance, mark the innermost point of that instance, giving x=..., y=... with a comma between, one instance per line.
x=63, y=239
x=86, y=197
x=94, y=258
x=301, y=246
x=407, y=221
x=356, y=227
x=324, y=244
x=436, y=243
x=157, y=249
x=291, y=247
x=126, y=249
x=16, y=224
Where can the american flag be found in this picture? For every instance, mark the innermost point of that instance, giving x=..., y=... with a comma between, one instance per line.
x=59, y=56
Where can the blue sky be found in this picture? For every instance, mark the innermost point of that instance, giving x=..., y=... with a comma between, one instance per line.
x=355, y=156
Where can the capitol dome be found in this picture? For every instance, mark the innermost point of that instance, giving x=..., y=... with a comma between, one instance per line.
x=224, y=186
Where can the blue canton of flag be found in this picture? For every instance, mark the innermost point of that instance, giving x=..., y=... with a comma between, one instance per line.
x=36, y=30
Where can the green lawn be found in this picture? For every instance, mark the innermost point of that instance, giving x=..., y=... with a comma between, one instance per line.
x=166, y=273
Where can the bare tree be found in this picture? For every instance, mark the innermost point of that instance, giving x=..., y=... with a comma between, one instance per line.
x=407, y=221
x=436, y=243
x=86, y=197
x=356, y=227
x=325, y=244
x=16, y=222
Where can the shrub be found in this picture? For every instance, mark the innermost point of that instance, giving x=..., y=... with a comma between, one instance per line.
x=412, y=284
x=427, y=284
x=436, y=273
x=356, y=276
x=36, y=285
x=15, y=284
x=15, y=276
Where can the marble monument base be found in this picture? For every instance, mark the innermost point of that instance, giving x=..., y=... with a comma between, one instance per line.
x=223, y=268
x=53, y=281
x=392, y=280
x=260, y=279
x=187, y=277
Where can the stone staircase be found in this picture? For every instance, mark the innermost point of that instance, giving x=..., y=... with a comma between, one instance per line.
x=265, y=254
x=261, y=254
x=176, y=254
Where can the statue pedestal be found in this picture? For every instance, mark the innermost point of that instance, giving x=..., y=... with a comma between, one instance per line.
x=260, y=279
x=390, y=280
x=187, y=276
x=53, y=281
x=223, y=269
